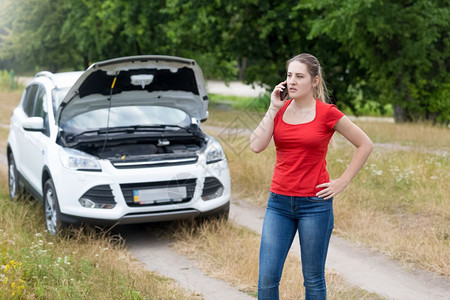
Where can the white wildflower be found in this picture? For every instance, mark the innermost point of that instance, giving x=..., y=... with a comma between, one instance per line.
x=378, y=172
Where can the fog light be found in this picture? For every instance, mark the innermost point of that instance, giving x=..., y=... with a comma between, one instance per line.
x=85, y=202
x=216, y=194
x=88, y=203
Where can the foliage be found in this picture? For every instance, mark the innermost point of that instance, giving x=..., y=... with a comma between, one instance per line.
x=5, y=79
x=31, y=34
x=112, y=28
x=402, y=47
x=385, y=52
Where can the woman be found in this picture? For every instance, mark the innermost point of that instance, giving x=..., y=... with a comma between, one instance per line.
x=301, y=192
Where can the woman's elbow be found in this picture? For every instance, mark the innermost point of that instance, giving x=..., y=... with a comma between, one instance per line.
x=257, y=145
x=368, y=146
x=365, y=145
x=256, y=148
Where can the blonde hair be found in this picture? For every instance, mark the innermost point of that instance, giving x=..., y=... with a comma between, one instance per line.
x=312, y=64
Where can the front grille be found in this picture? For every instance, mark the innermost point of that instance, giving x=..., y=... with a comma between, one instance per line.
x=156, y=161
x=101, y=194
x=129, y=189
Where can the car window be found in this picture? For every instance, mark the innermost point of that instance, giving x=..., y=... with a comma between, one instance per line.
x=40, y=105
x=30, y=96
x=129, y=116
x=58, y=96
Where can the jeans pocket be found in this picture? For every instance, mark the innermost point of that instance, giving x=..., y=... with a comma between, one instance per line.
x=317, y=199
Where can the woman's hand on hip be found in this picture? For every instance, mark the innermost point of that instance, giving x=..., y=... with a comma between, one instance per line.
x=332, y=188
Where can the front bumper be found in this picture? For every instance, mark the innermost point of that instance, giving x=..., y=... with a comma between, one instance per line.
x=157, y=216
x=71, y=185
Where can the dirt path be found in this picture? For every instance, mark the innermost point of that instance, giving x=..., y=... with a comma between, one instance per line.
x=361, y=267
x=157, y=256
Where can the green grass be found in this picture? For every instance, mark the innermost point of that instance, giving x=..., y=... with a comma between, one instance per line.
x=85, y=264
x=257, y=104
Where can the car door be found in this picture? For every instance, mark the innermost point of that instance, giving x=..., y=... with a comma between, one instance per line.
x=20, y=139
x=33, y=155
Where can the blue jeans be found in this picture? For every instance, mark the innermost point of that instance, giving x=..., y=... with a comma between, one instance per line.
x=314, y=220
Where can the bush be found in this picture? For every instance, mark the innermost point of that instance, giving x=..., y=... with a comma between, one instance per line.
x=5, y=80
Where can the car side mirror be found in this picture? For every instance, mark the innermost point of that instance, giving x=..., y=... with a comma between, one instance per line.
x=34, y=124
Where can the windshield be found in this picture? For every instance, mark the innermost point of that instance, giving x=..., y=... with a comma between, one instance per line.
x=129, y=116
x=58, y=96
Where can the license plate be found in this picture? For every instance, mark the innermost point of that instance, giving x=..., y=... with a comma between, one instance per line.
x=160, y=196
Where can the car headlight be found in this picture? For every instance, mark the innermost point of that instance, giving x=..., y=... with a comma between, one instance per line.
x=214, y=152
x=77, y=160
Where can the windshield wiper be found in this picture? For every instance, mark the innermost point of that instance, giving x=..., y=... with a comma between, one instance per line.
x=143, y=128
x=126, y=129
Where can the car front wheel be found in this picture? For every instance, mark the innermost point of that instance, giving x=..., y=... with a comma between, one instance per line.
x=53, y=222
x=13, y=178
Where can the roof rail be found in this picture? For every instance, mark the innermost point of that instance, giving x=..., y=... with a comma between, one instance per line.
x=44, y=73
x=47, y=74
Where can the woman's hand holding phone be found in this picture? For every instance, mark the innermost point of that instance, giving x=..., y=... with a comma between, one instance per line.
x=280, y=90
x=284, y=92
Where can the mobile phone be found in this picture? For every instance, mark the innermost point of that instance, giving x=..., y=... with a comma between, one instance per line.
x=284, y=93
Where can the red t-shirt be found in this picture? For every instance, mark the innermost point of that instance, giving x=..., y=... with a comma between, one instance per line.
x=301, y=151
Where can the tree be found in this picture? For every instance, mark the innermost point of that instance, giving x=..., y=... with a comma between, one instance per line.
x=401, y=45
x=260, y=36
x=31, y=34
x=113, y=28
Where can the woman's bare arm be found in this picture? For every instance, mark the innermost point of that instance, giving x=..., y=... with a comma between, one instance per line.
x=261, y=136
x=363, y=146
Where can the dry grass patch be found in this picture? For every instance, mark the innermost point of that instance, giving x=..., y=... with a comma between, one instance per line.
x=419, y=135
x=8, y=101
x=404, y=193
x=397, y=204
x=3, y=138
x=231, y=253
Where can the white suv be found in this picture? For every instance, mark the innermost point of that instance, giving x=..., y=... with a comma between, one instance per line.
x=118, y=143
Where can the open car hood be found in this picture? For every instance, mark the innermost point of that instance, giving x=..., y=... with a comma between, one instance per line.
x=138, y=80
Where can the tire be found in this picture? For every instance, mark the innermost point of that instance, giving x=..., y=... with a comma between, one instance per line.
x=13, y=178
x=52, y=213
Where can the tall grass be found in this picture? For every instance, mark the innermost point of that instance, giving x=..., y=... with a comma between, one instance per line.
x=420, y=136
x=398, y=203
x=86, y=264
x=231, y=253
